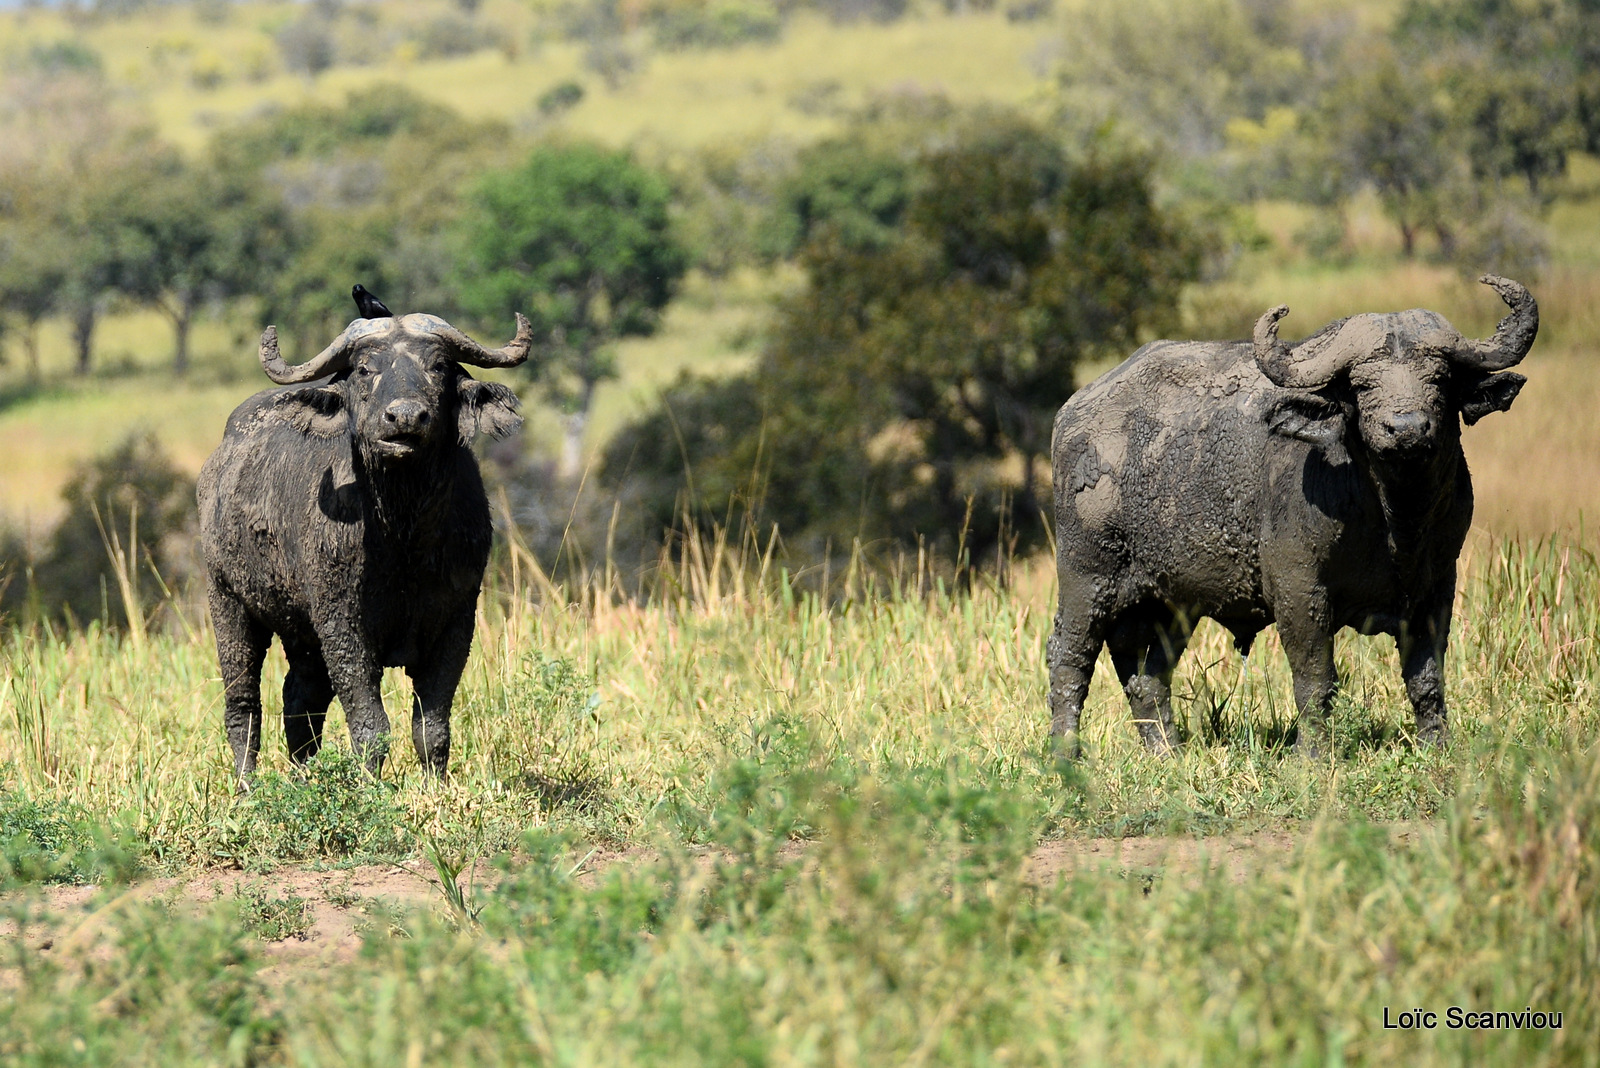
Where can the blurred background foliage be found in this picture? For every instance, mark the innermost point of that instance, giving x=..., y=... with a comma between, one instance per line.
x=829, y=266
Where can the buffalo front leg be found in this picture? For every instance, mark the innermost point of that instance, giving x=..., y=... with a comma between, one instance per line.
x=1422, y=642
x=306, y=693
x=434, y=683
x=241, y=647
x=357, y=678
x=1316, y=681
x=1071, y=651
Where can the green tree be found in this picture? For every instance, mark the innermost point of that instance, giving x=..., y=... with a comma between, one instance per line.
x=580, y=239
x=70, y=159
x=34, y=263
x=855, y=185
x=186, y=232
x=371, y=194
x=1176, y=72
x=909, y=390
x=1512, y=75
x=1385, y=126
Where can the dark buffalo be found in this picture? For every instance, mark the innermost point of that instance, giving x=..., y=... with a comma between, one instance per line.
x=1318, y=486
x=346, y=515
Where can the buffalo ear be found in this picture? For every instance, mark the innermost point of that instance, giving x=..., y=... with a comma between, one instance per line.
x=1491, y=393
x=315, y=410
x=485, y=408
x=1311, y=418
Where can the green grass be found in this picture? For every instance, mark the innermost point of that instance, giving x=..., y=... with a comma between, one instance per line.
x=903, y=739
x=909, y=934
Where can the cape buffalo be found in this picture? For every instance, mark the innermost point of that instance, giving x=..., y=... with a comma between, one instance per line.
x=1318, y=486
x=346, y=515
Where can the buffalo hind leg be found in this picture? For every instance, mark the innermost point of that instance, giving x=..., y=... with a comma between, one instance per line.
x=241, y=647
x=1071, y=651
x=1422, y=642
x=434, y=683
x=306, y=693
x=1144, y=655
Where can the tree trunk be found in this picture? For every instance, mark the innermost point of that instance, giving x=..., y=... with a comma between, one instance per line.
x=83, y=335
x=572, y=441
x=30, y=346
x=1028, y=505
x=1447, y=240
x=1408, y=240
x=180, y=348
x=181, y=314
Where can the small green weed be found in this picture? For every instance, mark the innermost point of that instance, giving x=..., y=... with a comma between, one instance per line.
x=342, y=897
x=760, y=798
x=269, y=918
x=555, y=708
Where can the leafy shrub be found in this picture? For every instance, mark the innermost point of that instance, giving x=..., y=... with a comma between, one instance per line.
x=308, y=46
x=564, y=96
x=454, y=35
x=67, y=55
x=718, y=25
x=336, y=811
x=49, y=841
x=132, y=498
x=864, y=10
x=1029, y=10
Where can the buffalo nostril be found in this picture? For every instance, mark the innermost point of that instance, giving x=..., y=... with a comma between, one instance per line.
x=1408, y=426
x=408, y=416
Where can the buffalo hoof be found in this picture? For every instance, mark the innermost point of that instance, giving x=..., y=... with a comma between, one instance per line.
x=1312, y=741
x=1431, y=732
x=1066, y=746
x=1160, y=740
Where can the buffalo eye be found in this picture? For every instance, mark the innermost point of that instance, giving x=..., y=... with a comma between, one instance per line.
x=363, y=370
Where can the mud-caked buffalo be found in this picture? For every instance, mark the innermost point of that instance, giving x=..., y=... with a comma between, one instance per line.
x=1319, y=485
x=344, y=513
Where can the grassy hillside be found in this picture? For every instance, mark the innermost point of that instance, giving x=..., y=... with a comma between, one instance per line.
x=796, y=89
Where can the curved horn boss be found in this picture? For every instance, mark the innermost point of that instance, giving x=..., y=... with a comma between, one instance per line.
x=336, y=357
x=1312, y=363
x=465, y=350
x=1512, y=338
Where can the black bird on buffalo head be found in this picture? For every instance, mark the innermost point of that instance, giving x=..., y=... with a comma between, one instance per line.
x=368, y=305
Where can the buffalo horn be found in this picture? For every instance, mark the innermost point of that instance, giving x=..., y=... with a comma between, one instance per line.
x=336, y=357
x=1308, y=365
x=465, y=350
x=1512, y=338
